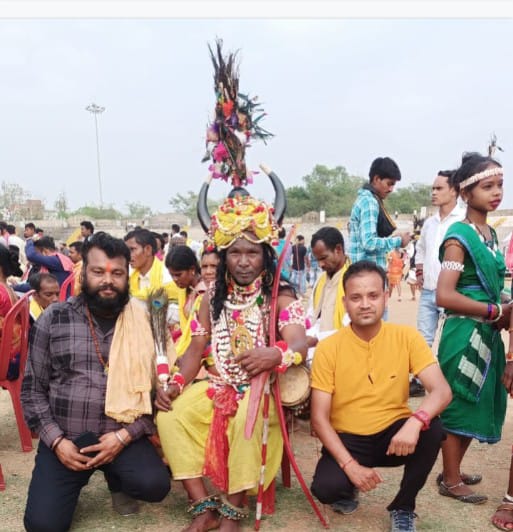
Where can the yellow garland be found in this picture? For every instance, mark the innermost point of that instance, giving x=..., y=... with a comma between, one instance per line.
x=239, y=214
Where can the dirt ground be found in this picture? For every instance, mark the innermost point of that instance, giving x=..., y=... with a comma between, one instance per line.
x=435, y=512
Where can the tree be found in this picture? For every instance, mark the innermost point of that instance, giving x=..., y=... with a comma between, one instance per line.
x=107, y=212
x=410, y=198
x=12, y=200
x=330, y=189
x=61, y=206
x=137, y=210
x=186, y=204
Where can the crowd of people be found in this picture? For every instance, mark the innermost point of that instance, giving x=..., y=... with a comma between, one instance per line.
x=90, y=390
x=156, y=362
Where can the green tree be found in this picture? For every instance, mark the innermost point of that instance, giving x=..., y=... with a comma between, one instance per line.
x=330, y=189
x=61, y=206
x=12, y=199
x=107, y=212
x=186, y=204
x=410, y=198
x=137, y=210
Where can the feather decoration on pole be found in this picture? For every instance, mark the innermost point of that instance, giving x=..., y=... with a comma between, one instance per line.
x=157, y=307
x=233, y=126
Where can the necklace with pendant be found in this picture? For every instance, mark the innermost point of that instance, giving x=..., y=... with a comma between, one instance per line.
x=105, y=365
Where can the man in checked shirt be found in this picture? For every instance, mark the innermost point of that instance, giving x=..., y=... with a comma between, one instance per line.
x=76, y=347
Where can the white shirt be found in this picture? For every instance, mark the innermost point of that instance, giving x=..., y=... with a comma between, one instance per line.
x=428, y=246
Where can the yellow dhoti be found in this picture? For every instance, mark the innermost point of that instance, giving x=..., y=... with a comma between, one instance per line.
x=183, y=432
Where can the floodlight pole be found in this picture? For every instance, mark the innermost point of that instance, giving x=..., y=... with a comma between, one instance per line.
x=96, y=110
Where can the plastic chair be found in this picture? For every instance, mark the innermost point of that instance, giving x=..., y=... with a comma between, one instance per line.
x=19, y=313
x=2, y=481
x=67, y=287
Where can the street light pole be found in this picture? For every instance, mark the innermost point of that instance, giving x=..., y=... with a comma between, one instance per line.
x=96, y=110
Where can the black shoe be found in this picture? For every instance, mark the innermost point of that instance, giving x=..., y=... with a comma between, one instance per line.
x=416, y=389
x=123, y=504
x=347, y=505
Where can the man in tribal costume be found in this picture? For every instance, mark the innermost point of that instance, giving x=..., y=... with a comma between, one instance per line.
x=202, y=434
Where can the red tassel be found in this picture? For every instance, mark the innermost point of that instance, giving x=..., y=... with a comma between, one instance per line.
x=216, y=456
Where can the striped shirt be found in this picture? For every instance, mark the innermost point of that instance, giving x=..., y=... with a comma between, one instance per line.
x=364, y=242
x=64, y=387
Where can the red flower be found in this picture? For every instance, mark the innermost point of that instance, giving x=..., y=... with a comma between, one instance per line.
x=227, y=109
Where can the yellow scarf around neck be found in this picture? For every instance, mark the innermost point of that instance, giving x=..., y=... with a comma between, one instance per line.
x=338, y=315
x=156, y=275
x=131, y=366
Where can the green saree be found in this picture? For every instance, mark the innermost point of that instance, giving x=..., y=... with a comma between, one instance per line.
x=471, y=352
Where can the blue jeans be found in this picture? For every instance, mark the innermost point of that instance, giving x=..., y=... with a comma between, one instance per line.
x=298, y=280
x=428, y=315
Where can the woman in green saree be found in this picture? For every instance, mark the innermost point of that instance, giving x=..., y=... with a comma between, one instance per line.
x=471, y=352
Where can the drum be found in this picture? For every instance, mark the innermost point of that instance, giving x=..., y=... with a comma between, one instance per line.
x=295, y=386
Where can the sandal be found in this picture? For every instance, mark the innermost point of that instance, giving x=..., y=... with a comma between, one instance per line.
x=508, y=507
x=471, y=498
x=469, y=480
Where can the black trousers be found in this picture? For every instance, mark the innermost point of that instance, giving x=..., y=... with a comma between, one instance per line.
x=330, y=483
x=53, y=493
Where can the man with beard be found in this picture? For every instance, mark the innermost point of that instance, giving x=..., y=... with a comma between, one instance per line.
x=86, y=392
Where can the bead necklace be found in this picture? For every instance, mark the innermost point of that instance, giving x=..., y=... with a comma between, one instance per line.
x=105, y=365
x=489, y=243
x=239, y=327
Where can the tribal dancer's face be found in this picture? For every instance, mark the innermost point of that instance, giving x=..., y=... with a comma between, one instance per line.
x=245, y=261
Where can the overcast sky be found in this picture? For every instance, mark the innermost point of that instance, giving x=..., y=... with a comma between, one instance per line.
x=337, y=92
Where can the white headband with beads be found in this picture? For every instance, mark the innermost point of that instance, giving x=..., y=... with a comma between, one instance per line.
x=496, y=170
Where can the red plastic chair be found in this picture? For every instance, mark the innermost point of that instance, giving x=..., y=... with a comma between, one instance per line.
x=19, y=313
x=2, y=481
x=67, y=285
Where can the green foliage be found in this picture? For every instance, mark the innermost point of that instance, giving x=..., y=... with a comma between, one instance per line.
x=406, y=200
x=61, y=206
x=137, y=210
x=107, y=212
x=334, y=191
x=330, y=189
x=186, y=204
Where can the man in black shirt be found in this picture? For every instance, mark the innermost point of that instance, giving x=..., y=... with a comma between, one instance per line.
x=300, y=262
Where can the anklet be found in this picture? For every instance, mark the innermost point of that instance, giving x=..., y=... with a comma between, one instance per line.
x=203, y=505
x=509, y=498
x=229, y=511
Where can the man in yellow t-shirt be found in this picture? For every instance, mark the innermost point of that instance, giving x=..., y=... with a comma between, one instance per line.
x=360, y=382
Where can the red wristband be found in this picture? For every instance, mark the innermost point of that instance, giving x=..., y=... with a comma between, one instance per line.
x=423, y=417
x=343, y=466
